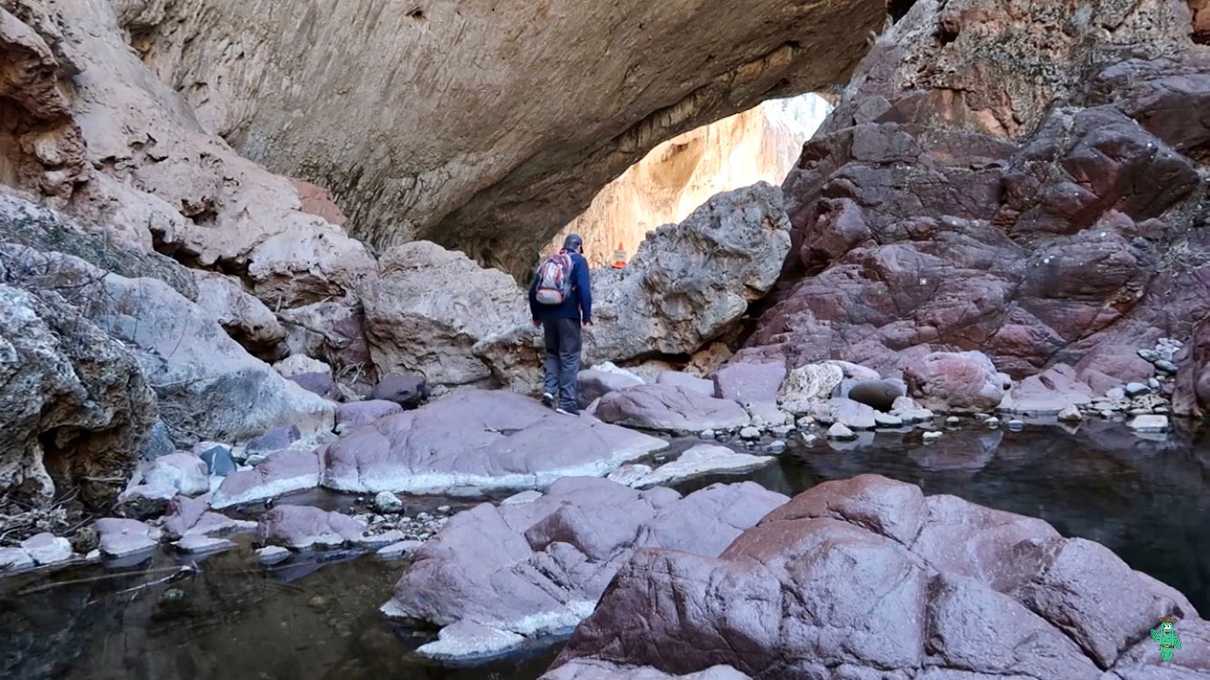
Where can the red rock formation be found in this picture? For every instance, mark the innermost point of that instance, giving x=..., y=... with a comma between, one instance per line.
x=1024, y=183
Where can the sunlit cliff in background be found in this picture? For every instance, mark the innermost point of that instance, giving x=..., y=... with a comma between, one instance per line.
x=676, y=177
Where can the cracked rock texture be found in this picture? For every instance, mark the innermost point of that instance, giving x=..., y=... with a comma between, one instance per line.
x=867, y=577
x=1022, y=179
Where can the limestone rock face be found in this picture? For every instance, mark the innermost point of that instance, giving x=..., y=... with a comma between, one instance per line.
x=245, y=318
x=536, y=111
x=957, y=207
x=870, y=576
x=74, y=403
x=534, y=568
x=92, y=128
x=674, y=178
x=429, y=307
x=207, y=386
x=690, y=283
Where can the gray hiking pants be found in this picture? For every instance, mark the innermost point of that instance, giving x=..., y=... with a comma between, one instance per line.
x=562, y=360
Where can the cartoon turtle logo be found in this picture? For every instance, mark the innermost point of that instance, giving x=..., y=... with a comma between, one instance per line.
x=1167, y=638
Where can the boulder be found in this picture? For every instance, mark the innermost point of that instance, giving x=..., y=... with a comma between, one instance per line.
x=386, y=501
x=767, y=414
x=749, y=383
x=274, y=440
x=217, y=458
x=158, y=442
x=201, y=545
x=596, y=382
x=207, y=385
x=320, y=384
x=877, y=394
x=1047, y=393
x=840, y=432
x=688, y=284
x=670, y=409
x=300, y=527
x=472, y=441
x=954, y=382
x=46, y=549
x=685, y=381
x=915, y=586
x=191, y=517
x=167, y=476
x=349, y=416
x=525, y=570
x=301, y=364
x=703, y=460
x=68, y=385
x=281, y=474
x=245, y=318
x=15, y=559
x=123, y=537
x=411, y=329
x=271, y=555
x=808, y=384
x=332, y=331
x=1148, y=423
x=846, y=412
x=409, y=390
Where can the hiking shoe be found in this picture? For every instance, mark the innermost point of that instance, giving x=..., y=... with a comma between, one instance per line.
x=548, y=399
x=568, y=411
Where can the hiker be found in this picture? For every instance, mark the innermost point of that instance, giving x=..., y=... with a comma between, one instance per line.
x=560, y=299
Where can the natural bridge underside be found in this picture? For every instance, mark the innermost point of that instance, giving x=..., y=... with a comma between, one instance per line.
x=484, y=125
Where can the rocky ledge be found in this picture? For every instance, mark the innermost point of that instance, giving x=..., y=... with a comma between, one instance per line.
x=474, y=441
x=869, y=578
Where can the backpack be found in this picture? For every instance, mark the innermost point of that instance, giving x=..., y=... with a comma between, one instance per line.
x=554, y=279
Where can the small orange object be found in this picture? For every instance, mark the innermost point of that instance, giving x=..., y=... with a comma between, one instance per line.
x=619, y=258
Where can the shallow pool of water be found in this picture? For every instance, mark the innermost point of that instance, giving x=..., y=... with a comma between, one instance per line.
x=1147, y=499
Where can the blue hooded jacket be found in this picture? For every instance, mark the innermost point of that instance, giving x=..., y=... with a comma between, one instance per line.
x=577, y=306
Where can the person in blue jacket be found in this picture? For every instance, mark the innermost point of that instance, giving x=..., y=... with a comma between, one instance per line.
x=561, y=325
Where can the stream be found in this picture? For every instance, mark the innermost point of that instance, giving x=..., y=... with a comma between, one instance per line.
x=316, y=616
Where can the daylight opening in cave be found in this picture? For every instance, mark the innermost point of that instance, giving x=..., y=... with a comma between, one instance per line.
x=674, y=178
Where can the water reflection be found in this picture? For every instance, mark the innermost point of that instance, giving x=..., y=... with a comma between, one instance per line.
x=1147, y=500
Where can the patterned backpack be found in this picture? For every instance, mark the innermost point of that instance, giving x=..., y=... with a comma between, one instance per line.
x=554, y=279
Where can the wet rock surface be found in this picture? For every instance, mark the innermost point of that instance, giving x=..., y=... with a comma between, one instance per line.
x=940, y=586
x=538, y=567
x=281, y=474
x=473, y=441
x=702, y=460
